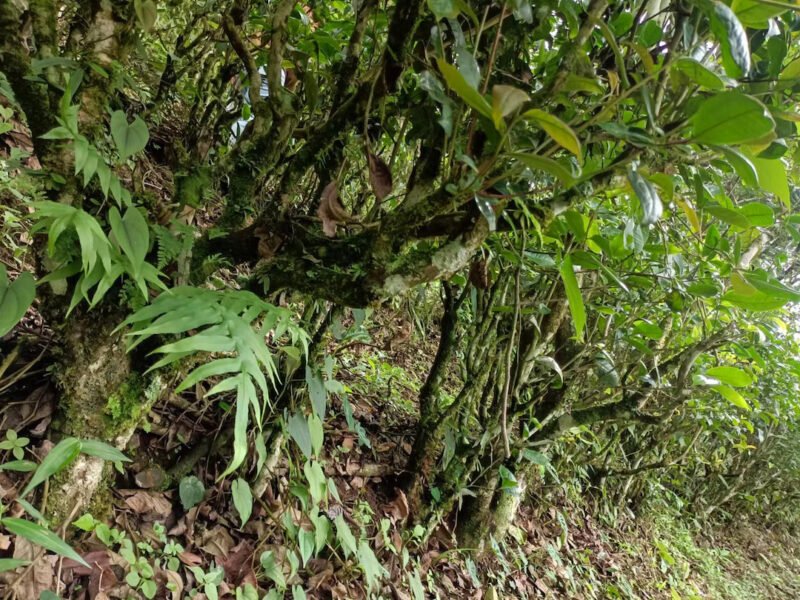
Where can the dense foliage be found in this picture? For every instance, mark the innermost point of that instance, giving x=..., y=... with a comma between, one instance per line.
x=593, y=204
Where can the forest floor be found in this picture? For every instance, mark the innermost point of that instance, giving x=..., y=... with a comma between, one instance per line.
x=557, y=548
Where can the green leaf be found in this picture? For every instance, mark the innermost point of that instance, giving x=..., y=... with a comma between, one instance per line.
x=535, y=457
x=146, y=14
x=752, y=13
x=86, y=523
x=305, y=539
x=132, y=235
x=191, y=491
x=59, y=457
x=506, y=100
x=103, y=450
x=345, y=536
x=574, y=299
x=415, y=583
x=14, y=299
x=772, y=178
x=317, y=482
x=316, y=389
x=732, y=396
x=731, y=118
x=556, y=129
x=743, y=165
x=129, y=138
x=298, y=429
x=9, y=564
x=698, y=73
x=759, y=215
x=242, y=499
x=649, y=199
x=548, y=165
x=730, y=376
x=443, y=9
x=732, y=39
x=48, y=595
x=456, y=82
x=731, y=216
x=272, y=570
x=41, y=536
x=22, y=466
x=373, y=570
x=648, y=330
x=298, y=593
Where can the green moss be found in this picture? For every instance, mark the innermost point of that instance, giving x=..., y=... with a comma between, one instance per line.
x=125, y=405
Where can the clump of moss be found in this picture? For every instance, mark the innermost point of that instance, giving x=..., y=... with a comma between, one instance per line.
x=125, y=405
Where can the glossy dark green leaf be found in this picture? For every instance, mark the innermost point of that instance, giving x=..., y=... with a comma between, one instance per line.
x=733, y=41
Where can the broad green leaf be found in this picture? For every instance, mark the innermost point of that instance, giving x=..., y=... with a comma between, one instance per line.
x=344, y=536
x=731, y=216
x=752, y=13
x=373, y=570
x=146, y=14
x=574, y=299
x=732, y=396
x=443, y=9
x=316, y=389
x=317, y=482
x=535, y=457
x=242, y=499
x=272, y=570
x=317, y=433
x=298, y=593
x=59, y=457
x=733, y=41
x=415, y=583
x=14, y=299
x=103, y=450
x=298, y=429
x=557, y=129
x=731, y=118
x=730, y=375
x=305, y=539
x=759, y=215
x=191, y=491
x=698, y=73
x=772, y=178
x=456, y=82
x=130, y=138
x=132, y=234
x=506, y=100
x=743, y=165
x=42, y=537
x=648, y=330
x=548, y=165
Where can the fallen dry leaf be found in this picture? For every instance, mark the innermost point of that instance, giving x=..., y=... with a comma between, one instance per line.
x=37, y=577
x=217, y=541
x=142, y=502
x=398, y=508
x=380, y=177
x=330, y=210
